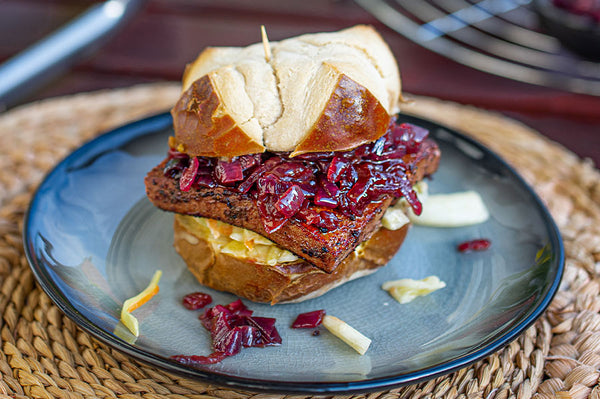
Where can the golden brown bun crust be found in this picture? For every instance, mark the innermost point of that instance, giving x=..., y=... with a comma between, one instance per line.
x=292, y=282
x=203, y=129
x=351, y=117
x=318, y=92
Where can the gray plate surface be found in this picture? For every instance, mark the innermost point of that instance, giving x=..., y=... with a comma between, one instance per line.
x=93, y=240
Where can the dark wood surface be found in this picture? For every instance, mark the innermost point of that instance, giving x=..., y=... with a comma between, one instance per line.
x=167, y=34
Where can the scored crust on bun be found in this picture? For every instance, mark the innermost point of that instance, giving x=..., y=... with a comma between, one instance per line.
x=317, y=92
x=281, y=168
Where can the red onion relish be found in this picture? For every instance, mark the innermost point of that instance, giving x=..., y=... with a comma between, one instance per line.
x=314, y=188
x=309, y=319
x=480, y=244
x=196, y=300
x=232, y=327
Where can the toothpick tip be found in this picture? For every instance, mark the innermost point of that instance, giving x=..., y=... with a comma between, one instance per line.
x=266, y=45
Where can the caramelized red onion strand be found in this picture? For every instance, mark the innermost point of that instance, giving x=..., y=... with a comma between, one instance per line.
x=232, y=327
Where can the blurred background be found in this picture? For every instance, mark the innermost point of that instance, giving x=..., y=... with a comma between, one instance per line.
x=480, y=53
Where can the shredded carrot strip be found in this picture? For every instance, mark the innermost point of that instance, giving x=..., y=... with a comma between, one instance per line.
x=135, y=302
x=147, y=296
x=249, y=244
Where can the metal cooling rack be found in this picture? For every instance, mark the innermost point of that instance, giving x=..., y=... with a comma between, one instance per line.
x=495, y=36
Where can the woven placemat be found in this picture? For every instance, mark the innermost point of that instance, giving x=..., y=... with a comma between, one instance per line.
x=44, y=354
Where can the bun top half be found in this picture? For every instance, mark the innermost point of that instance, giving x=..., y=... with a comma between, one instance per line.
x=317, y=92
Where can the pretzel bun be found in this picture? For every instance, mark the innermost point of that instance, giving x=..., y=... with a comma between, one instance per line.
x=281, y=283
x=318, y=92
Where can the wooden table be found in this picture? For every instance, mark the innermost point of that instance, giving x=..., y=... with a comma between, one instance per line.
x=167, y=34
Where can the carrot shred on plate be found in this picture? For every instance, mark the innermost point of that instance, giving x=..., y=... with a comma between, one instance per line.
x=135, y=302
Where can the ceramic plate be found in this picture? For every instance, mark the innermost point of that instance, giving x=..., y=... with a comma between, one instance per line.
x=93, y=240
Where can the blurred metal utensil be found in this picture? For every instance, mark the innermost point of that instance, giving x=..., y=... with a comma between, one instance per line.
x=500, y=37
x=48, y=58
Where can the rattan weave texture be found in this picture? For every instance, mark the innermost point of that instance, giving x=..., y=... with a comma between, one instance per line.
x=43, y=354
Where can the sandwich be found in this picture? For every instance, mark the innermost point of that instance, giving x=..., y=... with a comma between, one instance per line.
x=286, y=163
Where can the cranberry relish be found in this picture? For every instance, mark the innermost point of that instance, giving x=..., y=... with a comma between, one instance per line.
x=312, y=188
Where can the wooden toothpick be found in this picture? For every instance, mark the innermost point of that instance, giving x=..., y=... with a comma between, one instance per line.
x=266, y=44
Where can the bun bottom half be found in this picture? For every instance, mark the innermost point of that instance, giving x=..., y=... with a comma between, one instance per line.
x=283, y=283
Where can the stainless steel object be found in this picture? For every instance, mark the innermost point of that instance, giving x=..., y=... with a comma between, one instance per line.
x=45, y=60
x=495, y=36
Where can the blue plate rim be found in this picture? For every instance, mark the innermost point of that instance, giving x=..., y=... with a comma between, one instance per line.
x=152, y=124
